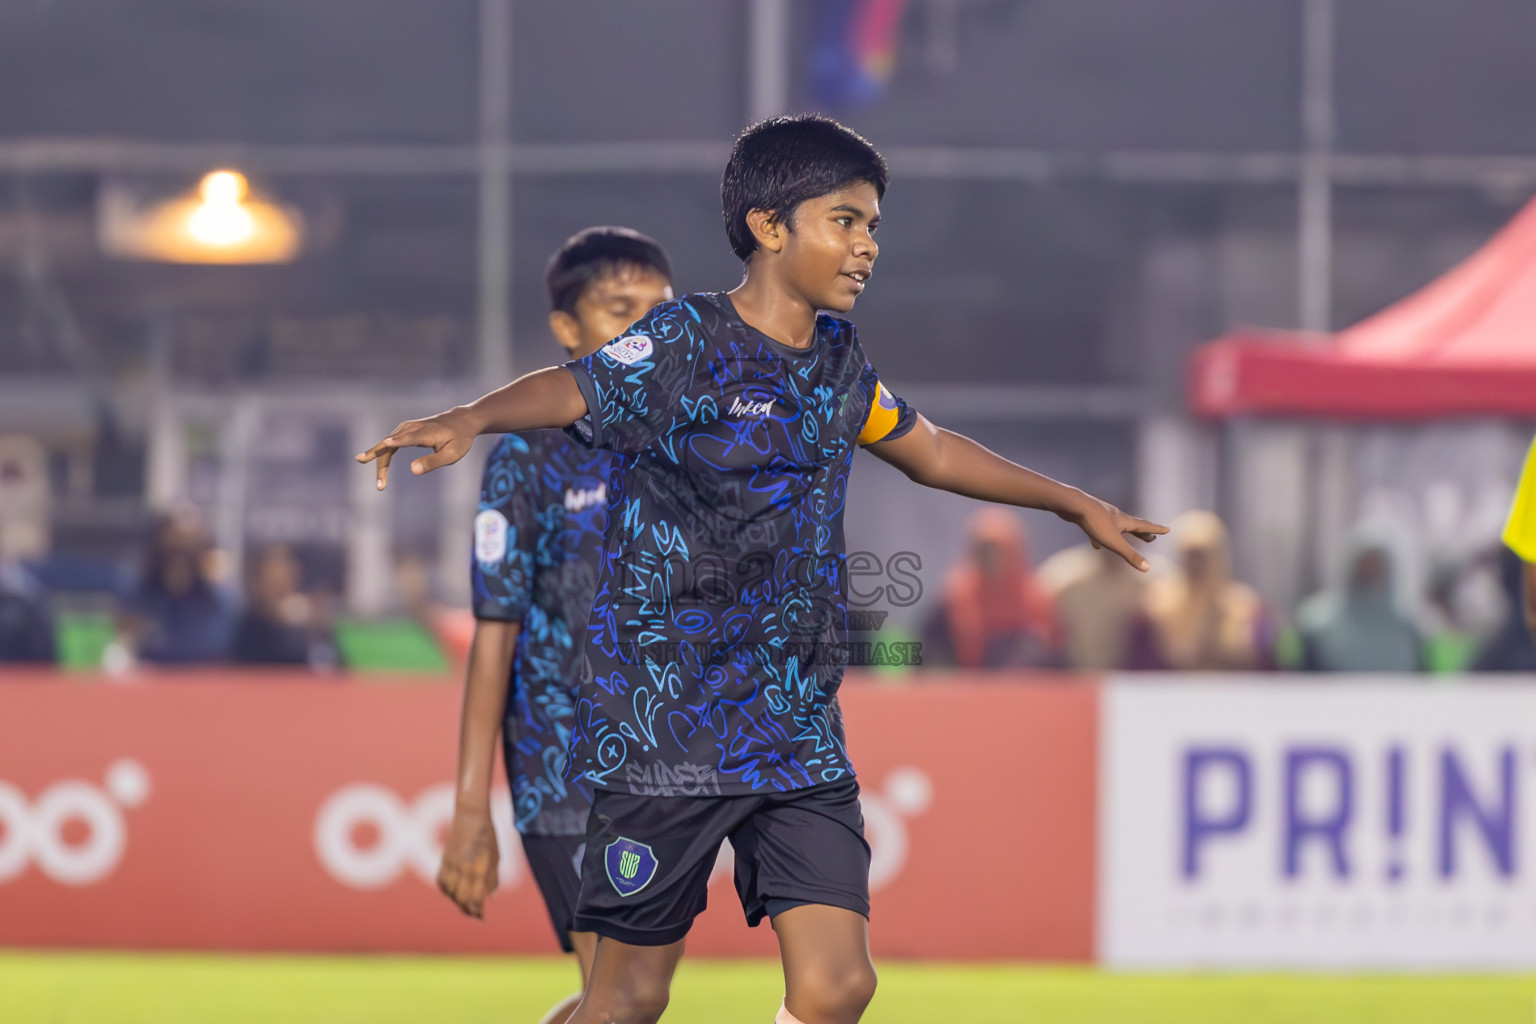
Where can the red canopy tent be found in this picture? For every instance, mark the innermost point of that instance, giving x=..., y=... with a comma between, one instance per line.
x=1463, y=345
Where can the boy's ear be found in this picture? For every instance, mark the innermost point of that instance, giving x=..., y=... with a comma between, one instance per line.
x=566, y=329
x=767, y=228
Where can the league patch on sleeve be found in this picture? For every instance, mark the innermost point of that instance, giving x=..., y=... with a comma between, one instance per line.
x=490, y=536
x=629, y=349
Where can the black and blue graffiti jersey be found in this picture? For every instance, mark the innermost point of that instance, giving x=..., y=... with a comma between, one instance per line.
x=538, y=535
x=719, y=627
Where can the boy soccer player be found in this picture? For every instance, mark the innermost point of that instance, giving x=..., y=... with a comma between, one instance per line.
x=543, y=513
x=1520, y=534
x=709, y=710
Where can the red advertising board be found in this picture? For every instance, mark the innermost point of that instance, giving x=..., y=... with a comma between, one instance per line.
x=277, y=812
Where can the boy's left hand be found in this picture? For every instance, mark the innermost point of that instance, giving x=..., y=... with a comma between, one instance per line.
x=1107, y=526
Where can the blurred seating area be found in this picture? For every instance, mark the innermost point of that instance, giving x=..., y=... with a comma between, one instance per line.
x=1086, y=611
x=180, y=607
x=1080, y=610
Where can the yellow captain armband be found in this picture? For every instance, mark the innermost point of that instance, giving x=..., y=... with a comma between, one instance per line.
x=883, y=415
x=1520, y=531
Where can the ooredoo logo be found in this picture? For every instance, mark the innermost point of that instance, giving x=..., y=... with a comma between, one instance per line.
x=366, y=836
x=37, y=832
x=907, y=793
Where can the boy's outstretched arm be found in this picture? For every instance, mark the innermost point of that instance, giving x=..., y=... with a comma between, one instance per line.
x=544, y=398
x=940, y=458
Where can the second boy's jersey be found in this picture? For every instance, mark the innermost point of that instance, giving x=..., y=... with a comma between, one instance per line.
x=719, y=628
x=1520, y=531
x=543, y=509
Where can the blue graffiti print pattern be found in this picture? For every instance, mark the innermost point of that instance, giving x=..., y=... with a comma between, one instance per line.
x=721, y=600
x=538, y=537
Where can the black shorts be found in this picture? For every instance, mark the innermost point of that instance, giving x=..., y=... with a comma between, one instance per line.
x=555, y=862
x=645, y=876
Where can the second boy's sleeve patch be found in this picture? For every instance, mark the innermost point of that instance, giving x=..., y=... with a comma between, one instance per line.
x=490, y=536
x=505, y=533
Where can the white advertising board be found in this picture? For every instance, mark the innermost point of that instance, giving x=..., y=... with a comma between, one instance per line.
x=1294, y=822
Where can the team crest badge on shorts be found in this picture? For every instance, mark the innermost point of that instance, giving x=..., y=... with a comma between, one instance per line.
x=631, y=865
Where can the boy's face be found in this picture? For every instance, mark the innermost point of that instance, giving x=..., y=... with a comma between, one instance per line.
x=831, y=250
x=608, y=307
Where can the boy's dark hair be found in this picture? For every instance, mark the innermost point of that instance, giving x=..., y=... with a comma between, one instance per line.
x=780, y=163
x=595, y=253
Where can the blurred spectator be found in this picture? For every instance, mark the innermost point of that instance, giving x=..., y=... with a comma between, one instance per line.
x=1511, y=648
x=1097, y=599
x=413, y=584
x=25, y=500
x=1358, y=626
x=994, y=612
x=26, y=623
x=281, y=625
x=177, y=614
x=1199, y=618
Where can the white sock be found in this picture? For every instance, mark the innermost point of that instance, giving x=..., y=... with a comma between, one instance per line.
x=785, y=1017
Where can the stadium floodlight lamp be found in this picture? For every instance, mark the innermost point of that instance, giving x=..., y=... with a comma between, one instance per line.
x=222, y=221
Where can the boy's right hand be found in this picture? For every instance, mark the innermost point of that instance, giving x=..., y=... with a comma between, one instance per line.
x=449, y=435
x=470, y=855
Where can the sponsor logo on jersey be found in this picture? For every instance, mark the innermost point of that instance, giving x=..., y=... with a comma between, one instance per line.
x=629, y=349
x=672, y=779
x=741, y=408
x=577, y=499
x=490, y=536
x=631, y=865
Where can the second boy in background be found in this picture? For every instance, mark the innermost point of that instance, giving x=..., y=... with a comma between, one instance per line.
x=543, y=511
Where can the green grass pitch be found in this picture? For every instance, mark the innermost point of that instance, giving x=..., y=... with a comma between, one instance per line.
x=67, y=988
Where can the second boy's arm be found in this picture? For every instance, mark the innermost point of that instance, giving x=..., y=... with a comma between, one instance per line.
x=470, y=853
x=935, y=457
x=544, y=398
